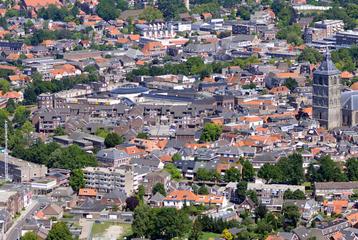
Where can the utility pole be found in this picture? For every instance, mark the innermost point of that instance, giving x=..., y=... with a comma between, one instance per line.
x=5, y=155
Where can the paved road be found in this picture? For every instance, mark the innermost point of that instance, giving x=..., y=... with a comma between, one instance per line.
x=14, y=232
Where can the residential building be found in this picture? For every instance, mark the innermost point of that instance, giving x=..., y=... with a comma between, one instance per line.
x=113, y=157
x=335, y=189
x=105, y=179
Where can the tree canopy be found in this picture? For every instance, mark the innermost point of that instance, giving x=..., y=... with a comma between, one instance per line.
x=150, y=14
x=113, y=139
x=211, y=132
x=171, y=8
x=29, y=236
x=59, y=231
x=77, y=179
x=52, y=155
x=287, y=170
x=159, y=187
x=310, y=55
x=160, y=223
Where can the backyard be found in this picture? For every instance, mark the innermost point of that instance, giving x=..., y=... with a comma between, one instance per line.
x=110, y=231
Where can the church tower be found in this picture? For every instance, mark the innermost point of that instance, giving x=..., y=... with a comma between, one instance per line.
x=326, y=98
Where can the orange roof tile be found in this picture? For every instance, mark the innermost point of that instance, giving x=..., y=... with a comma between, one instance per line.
x=133, y=150
x=354, y=86
x=2, y=11
x=287, y=75
x=18, y=77
x=122, y=40
x=352, y=218
x=315, y=151
x=13, y=56
x=280, y=89
x=88, y=192
x=250, y=119
x=140, y=62
x=274, y=237
x=41, y=3
x=346, y=75
x=11, y=95
x=134, y=37
x=166, y=158
x=181, y=195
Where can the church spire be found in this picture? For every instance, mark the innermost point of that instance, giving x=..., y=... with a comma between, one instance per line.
x=327, y=66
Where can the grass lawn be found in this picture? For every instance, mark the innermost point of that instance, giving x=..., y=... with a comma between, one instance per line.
x=100, y=229
x=209, y=235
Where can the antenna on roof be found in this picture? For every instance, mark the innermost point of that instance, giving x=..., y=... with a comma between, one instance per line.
x=5, y=155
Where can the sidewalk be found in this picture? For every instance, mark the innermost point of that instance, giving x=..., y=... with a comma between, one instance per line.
x=14, y=230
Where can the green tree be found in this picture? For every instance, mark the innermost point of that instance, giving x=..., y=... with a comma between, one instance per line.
x=77, y=180
x=141, y=193
x=352, y=169
x=162, y=223
x=248, y=171
x=260, y=211
x=241, y=191
x=29, y=236
x=292, y=34
x=4, y=85
x=232, y=175
x=263, y=228
x=291, y=83
x=150, y=14
x=21, y=116
x=253, y=196
x=271, y=173
x=311, y=55
x=159, y=187
x=211, y=132
x=101, y=132
x=107, y=10
x=203, y=190
x=203, y=174
x=171, y=223
x=174, y=172
x=297, y=195
x=27, y=128
x=143, y=135
x=59, y=231
x=143, y=221
x=292, y=167
x=329, y=170
x=244, y=12
x=196, y=231
x=113, y=139
x=171, y=8
x=176, y=157
x=72, y=157
x=59, y=131
x=210, y=7
x=11, y=106
x=291, y=216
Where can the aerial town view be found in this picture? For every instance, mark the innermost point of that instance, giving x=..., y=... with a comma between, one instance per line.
x=179, y=119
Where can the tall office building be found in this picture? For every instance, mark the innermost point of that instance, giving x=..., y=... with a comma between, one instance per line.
x=326, y=99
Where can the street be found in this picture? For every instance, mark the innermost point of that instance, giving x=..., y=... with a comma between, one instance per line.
x=14, y=232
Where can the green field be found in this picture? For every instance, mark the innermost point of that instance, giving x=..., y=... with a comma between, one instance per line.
x=209, y=235
x=102, y=230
